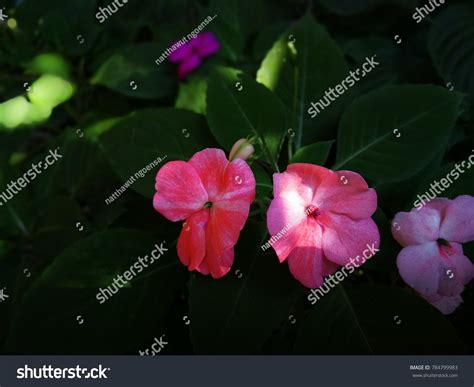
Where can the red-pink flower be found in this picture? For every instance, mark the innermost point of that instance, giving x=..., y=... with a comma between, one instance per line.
x=432, y=260
x=190, y=54
x=320, y=219
x=213, y=195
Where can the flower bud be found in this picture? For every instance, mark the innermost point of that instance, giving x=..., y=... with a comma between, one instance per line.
x=242, y=149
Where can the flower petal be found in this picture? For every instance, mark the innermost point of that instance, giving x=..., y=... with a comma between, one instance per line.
x=286, y=220
x=419, y=267
x=227, y=219
x=182, y=51
x=206, y=44
x=416, y=227
x=219, y=263
x=180, y=192
x=346, y=193
x=238, y=182
x=458, y=222
x=292, y=187
x=188, y=65
x=450, y=282
x=344, y=237
x=462, y=264
x=329, y=267
x=203, y=268
x=445, y=305
x=306, y=260
x=299, y=182
x=342, y=192
x=210, y=165
x=455, y=270
x=438, y=204
x=192, y=240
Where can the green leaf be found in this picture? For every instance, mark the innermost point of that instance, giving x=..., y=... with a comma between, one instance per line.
x=375, y=320
x=451, y=43
x=300, y=67
x=192, y=95
x=49, y=63
x=266, y=38
x=382, y=133
x=50, y=312
x=236, y=315
x=143, y=137
x=389, y=55
x=314, y=154
x=63, y=23
x=349, y=7
x=235, y=20
x=18, y=111
x=80, y=168
x=397, y=196
x=132, y=71
x=50, y=91
x=45, y=93
x=238, y=107
x=16, y=215
x=264, y=182
x=56, y=227
x=385, y=259
x=93, y=131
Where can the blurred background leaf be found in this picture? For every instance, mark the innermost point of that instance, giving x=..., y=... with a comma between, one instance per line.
x=396, y=122
x=377, y=321
x=450, y=44
x=135, y=142
x=297, y=72
x=236, y=314
x=133, y=72
x=238, y=107
x=65, y=293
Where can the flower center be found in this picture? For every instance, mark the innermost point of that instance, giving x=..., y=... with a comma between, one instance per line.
x=445, y=248
x=443, y=242
x=208, y=205
x=312, y=211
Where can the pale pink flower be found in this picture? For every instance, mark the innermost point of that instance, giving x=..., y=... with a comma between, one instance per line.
x=432, y=260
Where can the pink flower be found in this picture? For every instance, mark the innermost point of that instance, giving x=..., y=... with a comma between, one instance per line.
x=318, y=219
x=213, y=195
x=190, y=54
x=432, y=260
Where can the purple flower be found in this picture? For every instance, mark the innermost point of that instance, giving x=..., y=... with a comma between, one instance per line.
x=190, y=54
